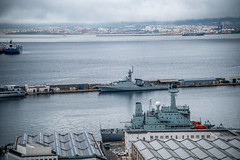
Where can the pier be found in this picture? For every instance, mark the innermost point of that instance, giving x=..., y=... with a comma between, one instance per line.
x=179, y=83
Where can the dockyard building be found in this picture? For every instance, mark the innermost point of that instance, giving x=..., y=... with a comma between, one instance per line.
x=178, y=135
x=31, y=151
x=37, y=88
x=235, y=79
x=65, y=146
x=197, y=81
x=186, y=149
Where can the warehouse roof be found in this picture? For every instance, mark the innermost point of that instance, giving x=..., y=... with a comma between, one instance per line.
x=189, y=149
x=66, y=145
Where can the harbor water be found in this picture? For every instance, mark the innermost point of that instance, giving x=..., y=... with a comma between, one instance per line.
x=77, y=59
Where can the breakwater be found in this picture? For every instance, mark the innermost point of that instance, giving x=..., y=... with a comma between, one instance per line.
x=74, y=88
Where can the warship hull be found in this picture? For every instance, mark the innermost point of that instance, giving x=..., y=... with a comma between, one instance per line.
x=12, y=94
x=112, y=135
x=137, y=88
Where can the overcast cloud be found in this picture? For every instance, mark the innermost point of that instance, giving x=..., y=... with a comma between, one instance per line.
x=98, y=11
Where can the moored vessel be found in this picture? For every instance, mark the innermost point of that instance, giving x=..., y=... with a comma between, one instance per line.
x=128, y=85
x=112, y=135
x=165, y=117
x=12, y=48
x=162, y=117
x=11, y=91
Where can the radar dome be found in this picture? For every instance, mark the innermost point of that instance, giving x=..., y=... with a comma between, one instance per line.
x=158, y=103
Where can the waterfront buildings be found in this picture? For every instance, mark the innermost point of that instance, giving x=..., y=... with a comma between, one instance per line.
x=37, y=88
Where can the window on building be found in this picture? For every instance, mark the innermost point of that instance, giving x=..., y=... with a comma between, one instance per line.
x=197, y=136
x=144, y=138
x=208, y=136
x=187, y=136
x=182, y=136
x=156, y=137
x=166, y=137
x=161, y=137
x=192, y=136
x=176, y=136
x=151, y=137
x=203, y=136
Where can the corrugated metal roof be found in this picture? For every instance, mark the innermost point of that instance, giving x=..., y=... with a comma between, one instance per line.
x=66, y=145
x=189, y=149
x=199, y=79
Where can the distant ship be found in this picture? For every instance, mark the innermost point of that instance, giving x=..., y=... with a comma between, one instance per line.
x=193, y=34
x=128, y=85
x=11, y=48
x=11, y=91
x=168, y=117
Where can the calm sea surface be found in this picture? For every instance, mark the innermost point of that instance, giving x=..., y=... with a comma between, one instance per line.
x=91, y=59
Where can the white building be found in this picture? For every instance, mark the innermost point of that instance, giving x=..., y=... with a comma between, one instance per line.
x=37, y=88
x=164, y=135
x=235, y=79
x=32, y=151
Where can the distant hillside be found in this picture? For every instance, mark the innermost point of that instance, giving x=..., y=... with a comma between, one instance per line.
x=227, y=21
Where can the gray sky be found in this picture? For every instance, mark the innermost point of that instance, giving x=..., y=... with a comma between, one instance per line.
x=97, y=11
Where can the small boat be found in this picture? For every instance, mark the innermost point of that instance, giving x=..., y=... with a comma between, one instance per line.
x=11, y=91
x=12, y=48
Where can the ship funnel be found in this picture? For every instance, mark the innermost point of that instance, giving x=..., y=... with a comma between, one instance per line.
x=173, y=93
x=138, y=109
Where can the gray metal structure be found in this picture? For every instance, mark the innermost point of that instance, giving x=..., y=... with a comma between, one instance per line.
x=187, y=149
x=168, y=117
x=69, y=145
x=129, y=85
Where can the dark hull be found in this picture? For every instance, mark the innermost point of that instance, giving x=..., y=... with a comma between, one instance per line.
x=113, y=137
x=11, y=52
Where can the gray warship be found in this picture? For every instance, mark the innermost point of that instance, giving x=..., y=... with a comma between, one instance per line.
x=168, y=117
x=161, y=118
x=128, y=85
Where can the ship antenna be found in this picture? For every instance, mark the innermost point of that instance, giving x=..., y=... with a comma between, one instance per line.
x=150, y=104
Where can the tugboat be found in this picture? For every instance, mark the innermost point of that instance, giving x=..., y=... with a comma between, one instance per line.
x=12, y=48
x=166, y=117
x=128, y=85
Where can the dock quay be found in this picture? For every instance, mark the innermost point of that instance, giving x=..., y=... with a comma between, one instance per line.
x=179, y=83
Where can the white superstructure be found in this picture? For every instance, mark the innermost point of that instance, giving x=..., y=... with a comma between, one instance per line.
x=11, y=91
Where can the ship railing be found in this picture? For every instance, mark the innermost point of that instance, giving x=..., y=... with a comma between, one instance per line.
x=184, y=107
